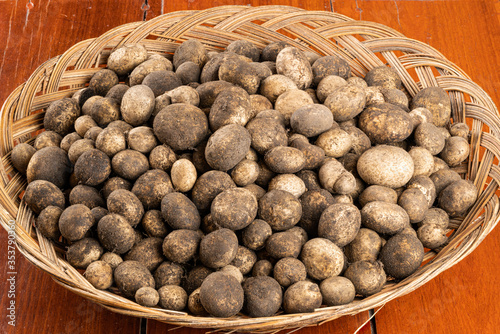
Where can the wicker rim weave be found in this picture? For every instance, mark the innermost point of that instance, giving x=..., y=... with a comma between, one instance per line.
x=363, y=44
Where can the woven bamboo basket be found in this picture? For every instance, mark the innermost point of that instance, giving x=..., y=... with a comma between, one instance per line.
x=363, y=44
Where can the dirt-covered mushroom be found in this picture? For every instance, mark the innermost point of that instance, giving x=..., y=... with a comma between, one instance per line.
x=387, y=166
x=181, y=126
x=383, y=76
x=124, y=59
x=280, y=209
x=50, y=164
x=61, y=115
x=292, y=63
x=227, y=146
x=385, y=123
x=437, y=101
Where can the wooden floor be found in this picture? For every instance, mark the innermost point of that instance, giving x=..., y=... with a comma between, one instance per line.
x=463, y=300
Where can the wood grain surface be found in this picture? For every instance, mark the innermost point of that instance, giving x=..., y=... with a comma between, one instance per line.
x=461, y=300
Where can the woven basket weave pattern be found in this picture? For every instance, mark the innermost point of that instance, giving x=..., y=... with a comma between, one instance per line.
x=363, y=44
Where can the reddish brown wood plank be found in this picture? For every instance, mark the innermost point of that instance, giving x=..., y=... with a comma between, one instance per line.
x=172, y=6
x=339, y=326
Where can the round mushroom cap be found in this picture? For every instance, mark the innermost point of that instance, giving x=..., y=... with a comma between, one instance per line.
x=384, y=165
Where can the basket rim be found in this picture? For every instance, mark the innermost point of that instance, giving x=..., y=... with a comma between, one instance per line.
x=41, y=253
